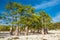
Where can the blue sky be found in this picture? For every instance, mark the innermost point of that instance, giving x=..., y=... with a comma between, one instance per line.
x=52, y=7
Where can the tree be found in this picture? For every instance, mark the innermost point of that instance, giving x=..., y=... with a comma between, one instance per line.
x=18, y=9
x=13, y=9
x=35, y=22
x=45, y=20
x=25, y=16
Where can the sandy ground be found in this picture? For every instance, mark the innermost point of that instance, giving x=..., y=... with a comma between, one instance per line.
x=53, y=35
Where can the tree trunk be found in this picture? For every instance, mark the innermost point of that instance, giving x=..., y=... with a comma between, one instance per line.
x=11, y=31
x=26, y=30
x=44, y=31
x=17, y=31
x=38, y=31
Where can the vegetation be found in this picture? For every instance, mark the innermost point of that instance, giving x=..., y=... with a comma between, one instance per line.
x=25, y=18
x=4, y=28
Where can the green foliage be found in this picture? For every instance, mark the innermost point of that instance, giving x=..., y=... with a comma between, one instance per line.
x=45, y=19
x=27, y=17
x=56, y=25
x=4, y=28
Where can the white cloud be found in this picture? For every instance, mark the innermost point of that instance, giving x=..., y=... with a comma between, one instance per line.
x=47, y=4
x=56, y=18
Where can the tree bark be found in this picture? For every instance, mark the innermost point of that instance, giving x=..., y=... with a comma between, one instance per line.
x=11, y=31
x=44, y=31
x=17, y=31
x=26, y=30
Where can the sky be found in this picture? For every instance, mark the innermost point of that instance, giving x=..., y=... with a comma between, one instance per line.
x=51, y=7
